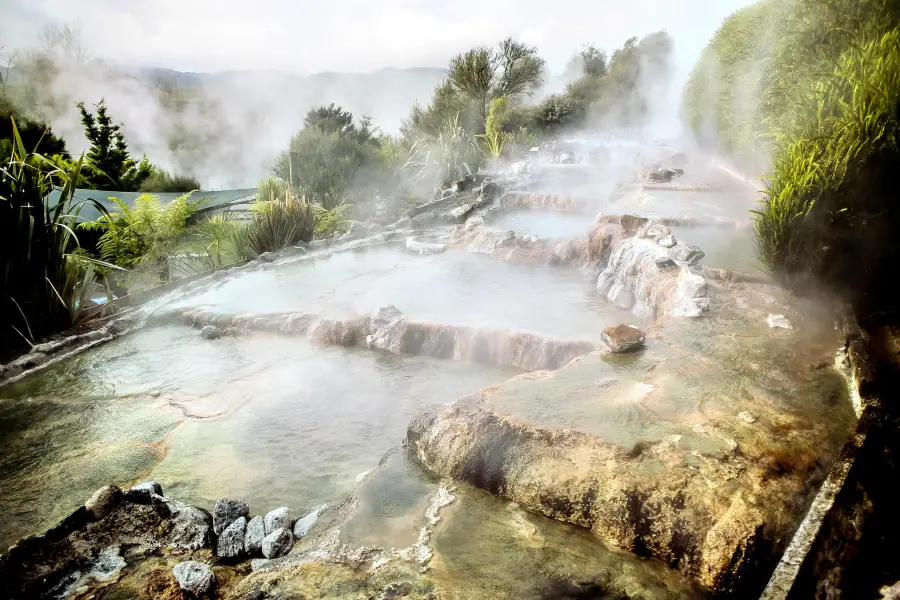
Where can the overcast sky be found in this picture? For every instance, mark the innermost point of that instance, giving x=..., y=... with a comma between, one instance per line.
x=352, y=35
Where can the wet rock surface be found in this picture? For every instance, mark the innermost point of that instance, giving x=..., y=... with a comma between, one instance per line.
x=624, y=338
x=103, y=501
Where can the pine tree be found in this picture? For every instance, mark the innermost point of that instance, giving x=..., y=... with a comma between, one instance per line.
x=114, y=169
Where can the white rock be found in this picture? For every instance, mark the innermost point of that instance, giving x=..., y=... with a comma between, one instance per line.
x=253, y=537
x=746, y=417
x=667, y=241
x=194, y=577
x=280, y=518
x=304, y=523
x=779, y=321
x=278, y=543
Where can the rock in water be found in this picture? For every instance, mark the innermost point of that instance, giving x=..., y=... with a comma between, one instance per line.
x=686, y=253
x=305, y=523
x=624, y=338
x=278, y=543
x=280, y=518
x=226, y=512
x=194, y=577
x=779, y=321
x=256, y=531
x=103, y=501
x=231, y=541
x=664, y=262
x=142, y=492
x=210, y=332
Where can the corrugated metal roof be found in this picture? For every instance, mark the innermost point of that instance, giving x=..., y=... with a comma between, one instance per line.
x=212, y=199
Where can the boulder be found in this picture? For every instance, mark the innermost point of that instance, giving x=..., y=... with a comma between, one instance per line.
x=231, y=541
x=686, y=253
x=226, y=511
x=305, y=523
x=253, y=537
x=624, y=338
x=142, y=492
x=191, y=526
x=103, y=501
x=278, y=543
x=664, y=262
x=210, y=332
x=622, y=298
x=460, y=213
x=267, y=257
x=194, y=577
x=653, y=230
x=667, y=241
x=280, y=518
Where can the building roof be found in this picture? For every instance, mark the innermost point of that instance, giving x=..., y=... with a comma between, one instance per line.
x=211, y=200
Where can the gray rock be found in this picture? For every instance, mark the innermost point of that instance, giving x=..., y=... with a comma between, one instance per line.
x=194, y=577
x=460, y=213
x=667, y=241
x=278, y=543
x=210, y=332
x=664, y=262
x=142, y=492
x=253, y=537
x=623, y=338
x=268, y=257
x=191, y=526
x=686, y=253
x=227, y=510
x=305, y=523
x=396, y=590
x=258, y=563
x=280, y=518
x=103, y=501
x=231, y=541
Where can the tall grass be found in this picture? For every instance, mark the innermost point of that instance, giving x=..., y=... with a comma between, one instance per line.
x=830, y=206
x=280, y=219
x=44, y=281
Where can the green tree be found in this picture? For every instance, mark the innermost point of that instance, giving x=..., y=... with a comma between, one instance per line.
x=109, y=153
x=35, y=135
x=481, y=74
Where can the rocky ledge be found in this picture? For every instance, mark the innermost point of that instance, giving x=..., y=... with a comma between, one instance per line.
x=390, y=331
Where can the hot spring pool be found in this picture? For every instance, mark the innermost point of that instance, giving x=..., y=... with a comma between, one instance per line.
x=454, y=288
x=268, y=419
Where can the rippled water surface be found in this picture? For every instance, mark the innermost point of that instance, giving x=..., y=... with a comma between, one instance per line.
x=268, y=419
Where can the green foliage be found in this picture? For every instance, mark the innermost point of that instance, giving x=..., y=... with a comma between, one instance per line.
x=560, y=111
x=330, y=222
x=446, y=101
x=115, y=169
x=482, y=74
x=446, y=157
x=279, y=219
x=145, y=233
x=330, y=156
x=223, y=239
x=35, y=135
x=521, y=140
x=494, y=138
x=161, y=181
x=44, y=282
x=829, y=210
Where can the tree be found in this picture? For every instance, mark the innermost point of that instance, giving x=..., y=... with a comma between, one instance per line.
x=109, y=153
x=594, y=61
x=481, y=74
x=36, y=136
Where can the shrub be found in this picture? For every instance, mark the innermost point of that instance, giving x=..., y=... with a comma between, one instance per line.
x=329, y=222
x=161, y=181
x=279, y=220
x=44, y=282
x=449, y=156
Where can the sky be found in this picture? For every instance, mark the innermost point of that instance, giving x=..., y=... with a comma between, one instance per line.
x=353, y=35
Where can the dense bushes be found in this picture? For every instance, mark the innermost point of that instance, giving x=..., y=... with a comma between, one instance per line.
x=44, y=280
x=816, y=84
x=280, y=218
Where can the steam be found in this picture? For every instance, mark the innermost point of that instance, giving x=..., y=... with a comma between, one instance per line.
x=226, y=128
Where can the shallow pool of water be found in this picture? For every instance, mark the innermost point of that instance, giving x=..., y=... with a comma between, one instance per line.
x=268, y=419
x=696, y=205
x=456, y=288
x=546, y=224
